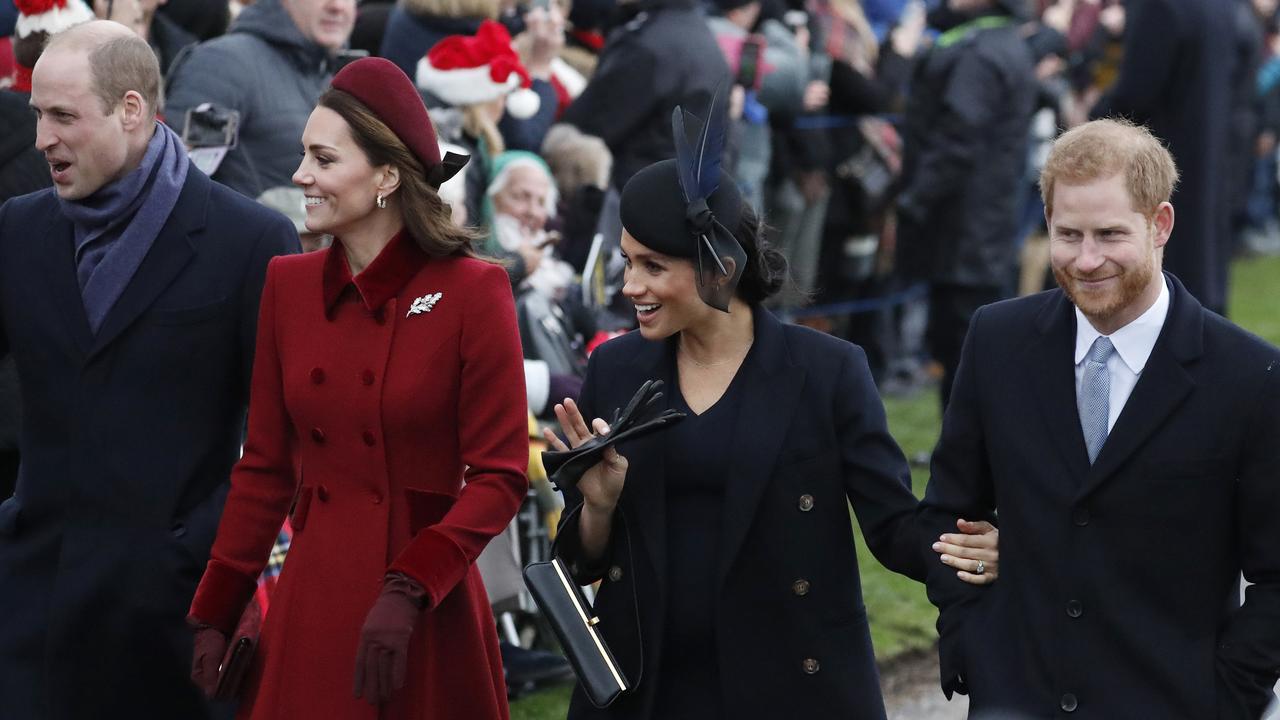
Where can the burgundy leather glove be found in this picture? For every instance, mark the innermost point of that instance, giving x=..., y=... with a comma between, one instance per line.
x=382, y=660
x=210, y=646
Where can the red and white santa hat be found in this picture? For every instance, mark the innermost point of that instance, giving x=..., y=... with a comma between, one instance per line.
x=468, y=70
x=37, y=21
x=50, y=16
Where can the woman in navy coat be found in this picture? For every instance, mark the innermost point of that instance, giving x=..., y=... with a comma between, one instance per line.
x=731, y=529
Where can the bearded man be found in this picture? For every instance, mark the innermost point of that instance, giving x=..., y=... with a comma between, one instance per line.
x=1128, y=440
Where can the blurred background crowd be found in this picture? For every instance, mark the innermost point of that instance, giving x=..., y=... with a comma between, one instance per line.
x=892, y=145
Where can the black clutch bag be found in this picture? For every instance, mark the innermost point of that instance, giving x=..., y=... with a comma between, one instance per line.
x=577, y=628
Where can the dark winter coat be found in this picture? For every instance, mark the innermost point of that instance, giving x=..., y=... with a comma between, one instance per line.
x=1176, y=79
x=128, y=439
x=1093, y=616
x=663, y=57
x=810, y=437
x=965, y=156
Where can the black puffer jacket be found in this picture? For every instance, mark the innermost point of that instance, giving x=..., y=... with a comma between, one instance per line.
x=965, y=155
x=662, y=57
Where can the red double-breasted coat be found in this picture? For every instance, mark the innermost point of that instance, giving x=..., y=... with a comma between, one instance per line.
x=389, y=412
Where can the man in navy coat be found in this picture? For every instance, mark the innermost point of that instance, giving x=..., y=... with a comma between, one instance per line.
x=1176, y=78
x=1129, y=441
x=128, y=298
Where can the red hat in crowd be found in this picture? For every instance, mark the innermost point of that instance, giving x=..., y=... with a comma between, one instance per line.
x=388, y=93
x=469, y=70
x=37, y=20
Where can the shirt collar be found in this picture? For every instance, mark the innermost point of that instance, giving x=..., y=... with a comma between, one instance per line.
x=382, y=280
x=1133, y=342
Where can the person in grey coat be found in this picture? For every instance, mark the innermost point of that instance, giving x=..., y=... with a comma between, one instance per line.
x=271, y=67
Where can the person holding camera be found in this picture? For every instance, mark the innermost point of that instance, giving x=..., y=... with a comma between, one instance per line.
x=262, y=79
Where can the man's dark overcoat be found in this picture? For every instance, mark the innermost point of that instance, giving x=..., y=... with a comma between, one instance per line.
x=127, y=442
x=1176, y=78
x=1118, y=595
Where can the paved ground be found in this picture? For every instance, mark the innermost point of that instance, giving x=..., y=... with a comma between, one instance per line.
x=911, y=692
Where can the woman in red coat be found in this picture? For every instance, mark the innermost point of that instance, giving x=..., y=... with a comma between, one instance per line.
x=388, y=411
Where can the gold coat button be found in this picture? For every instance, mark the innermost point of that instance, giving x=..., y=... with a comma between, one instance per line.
x=800, y=587
x=811, y=666
x=615, y=574
x=806, y=503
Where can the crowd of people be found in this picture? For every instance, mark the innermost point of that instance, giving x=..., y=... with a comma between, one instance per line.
x=471, y=197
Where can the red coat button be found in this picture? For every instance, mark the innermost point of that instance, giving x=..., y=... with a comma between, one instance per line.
x=369, y=439
x=366, y=377
x=317, y=375
x=377, y=498
x=322, y=492
x=380, y=317
x=318, y=435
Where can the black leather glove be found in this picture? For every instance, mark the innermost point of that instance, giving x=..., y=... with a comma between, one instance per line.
x=639, y=418
x=382, y=659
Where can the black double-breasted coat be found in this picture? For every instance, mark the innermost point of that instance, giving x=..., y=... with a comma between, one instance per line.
x=791, y=629
x=1118, y=594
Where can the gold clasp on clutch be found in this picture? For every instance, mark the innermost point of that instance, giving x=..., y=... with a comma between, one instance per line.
x=594, y=621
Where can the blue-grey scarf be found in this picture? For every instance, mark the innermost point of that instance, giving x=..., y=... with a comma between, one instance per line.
x=116, y=226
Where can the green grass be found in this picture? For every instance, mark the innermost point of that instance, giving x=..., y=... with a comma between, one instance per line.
x=901, y=617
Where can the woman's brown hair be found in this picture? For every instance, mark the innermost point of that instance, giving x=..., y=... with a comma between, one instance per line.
x=427, y=218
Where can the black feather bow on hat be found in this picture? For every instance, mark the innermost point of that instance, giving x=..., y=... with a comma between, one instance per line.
x=686, y=207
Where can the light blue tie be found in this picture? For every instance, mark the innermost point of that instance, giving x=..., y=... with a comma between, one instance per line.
x=1095, y=392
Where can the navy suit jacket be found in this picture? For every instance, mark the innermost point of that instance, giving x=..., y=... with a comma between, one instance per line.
x=810, y=438
x=127, y=443
x=1118, y=594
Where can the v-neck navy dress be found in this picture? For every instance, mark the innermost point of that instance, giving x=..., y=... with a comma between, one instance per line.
x=697, y=464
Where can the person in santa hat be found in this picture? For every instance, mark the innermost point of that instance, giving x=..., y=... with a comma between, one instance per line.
x=481, y=79
x=388, y=420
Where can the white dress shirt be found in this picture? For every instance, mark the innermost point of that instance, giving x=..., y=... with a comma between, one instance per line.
x=1133, y=344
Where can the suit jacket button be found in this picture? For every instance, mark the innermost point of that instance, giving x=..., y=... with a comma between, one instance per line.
x=800, y=587
x=322, y=493
x=178, y=530
x=317, y=375
x=318, y=435
x=369, y=438
x=806, y=503
x=1074, y=608
x=1069, y=703
x=1080, y=516
x=811, y=666
x=366, y=377
x=615, y=574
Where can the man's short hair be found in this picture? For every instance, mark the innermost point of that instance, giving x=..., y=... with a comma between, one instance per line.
x=1103, y=148
x=117, y=64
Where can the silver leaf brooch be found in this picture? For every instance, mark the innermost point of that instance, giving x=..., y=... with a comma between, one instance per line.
x=424, y=304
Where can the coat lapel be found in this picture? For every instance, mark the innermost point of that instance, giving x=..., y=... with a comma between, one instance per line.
x=1052, y=368
x=646, y=491
x=172, y=250
x=771, y=393
x=60, y=268
x=1162, y=387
